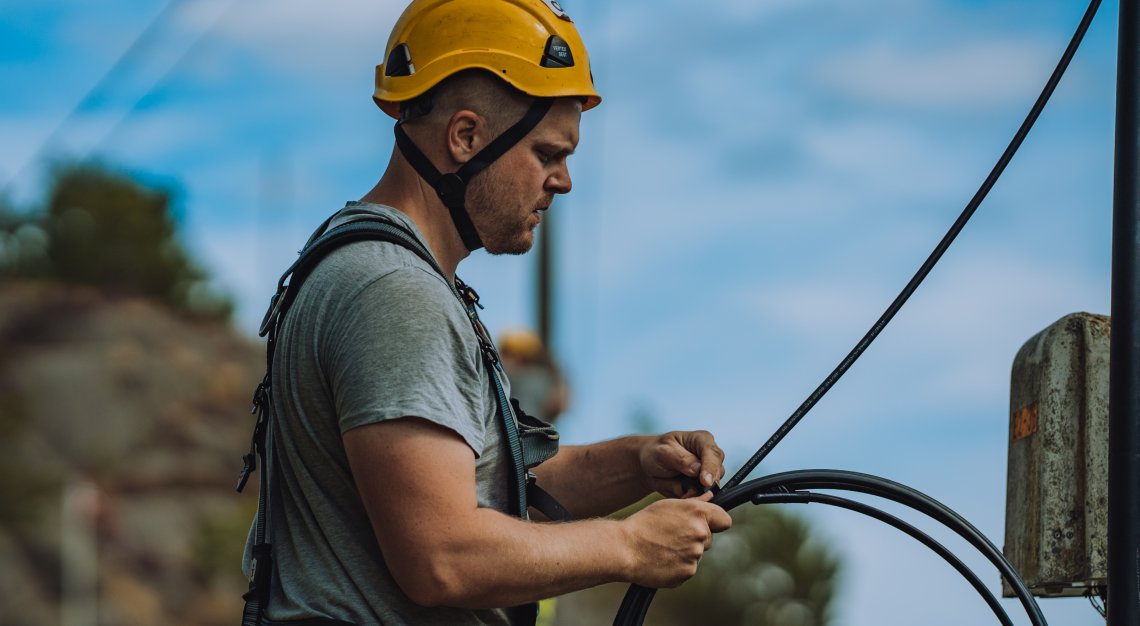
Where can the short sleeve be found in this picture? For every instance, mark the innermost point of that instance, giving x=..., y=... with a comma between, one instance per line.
x=403, y=347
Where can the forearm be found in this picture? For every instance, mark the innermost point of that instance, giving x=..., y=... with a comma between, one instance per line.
x=416, y=480
x=597, y=479
x=493, y=560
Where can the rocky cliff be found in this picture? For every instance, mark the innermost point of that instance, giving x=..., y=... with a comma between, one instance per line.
x=122, y=425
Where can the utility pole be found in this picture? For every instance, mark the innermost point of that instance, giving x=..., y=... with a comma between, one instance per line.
x=1124, y=377
x=545, y=288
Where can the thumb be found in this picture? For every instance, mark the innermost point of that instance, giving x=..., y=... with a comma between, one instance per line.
x=717, y=518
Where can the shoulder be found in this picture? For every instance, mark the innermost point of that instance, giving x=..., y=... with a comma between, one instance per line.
x=363, y=262
x=372, y=288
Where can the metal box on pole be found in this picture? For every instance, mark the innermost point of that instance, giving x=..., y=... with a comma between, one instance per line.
x=1056, y=523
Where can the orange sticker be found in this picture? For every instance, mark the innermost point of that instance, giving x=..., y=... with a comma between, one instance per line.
x=1025, y=422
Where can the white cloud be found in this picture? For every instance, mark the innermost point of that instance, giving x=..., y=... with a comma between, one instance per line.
x=310, y=42
x=962, y=76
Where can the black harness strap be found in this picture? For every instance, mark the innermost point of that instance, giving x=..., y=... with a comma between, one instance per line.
x=452, y=188
x=523, y=488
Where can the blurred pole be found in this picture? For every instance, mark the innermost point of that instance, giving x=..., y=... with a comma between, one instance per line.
x=1124, y=377
x=273, y=207
x=79, y=602
x=545, y=277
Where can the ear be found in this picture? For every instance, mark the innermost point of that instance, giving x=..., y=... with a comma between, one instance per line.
x=466, y=135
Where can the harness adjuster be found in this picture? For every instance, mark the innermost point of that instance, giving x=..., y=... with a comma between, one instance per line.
x=470, y=297
x=249, y=467
x=270, y=314
x=451, y=189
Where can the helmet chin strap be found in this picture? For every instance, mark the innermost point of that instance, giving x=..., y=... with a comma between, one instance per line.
x=452, y=187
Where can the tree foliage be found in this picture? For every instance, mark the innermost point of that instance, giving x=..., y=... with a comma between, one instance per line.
x=768, y=570
x=103, y=229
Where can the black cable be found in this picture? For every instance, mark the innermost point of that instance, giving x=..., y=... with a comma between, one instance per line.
x=897, y=492
x=1091, y=595
x=636, y=602
x=803, y=497
x=928, y=265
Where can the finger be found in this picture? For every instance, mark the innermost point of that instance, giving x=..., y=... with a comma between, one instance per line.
x=711, y=456
x=712, y=465
x=675, y=458
x=719, y=520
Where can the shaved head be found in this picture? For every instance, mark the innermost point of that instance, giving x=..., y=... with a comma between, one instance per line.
x=479, y=91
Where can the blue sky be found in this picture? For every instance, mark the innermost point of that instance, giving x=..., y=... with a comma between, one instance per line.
x=759, y=182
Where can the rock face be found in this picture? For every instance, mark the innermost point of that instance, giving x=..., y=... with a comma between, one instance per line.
x=122, y=425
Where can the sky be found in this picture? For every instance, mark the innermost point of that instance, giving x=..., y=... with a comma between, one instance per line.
x=762, y=177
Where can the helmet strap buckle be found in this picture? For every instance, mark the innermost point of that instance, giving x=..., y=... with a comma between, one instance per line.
x=451, y=189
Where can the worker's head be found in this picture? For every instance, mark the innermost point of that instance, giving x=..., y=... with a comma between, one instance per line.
x=462, y=75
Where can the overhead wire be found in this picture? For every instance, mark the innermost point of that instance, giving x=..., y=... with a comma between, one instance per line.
x=137, y=48
x=935, y=256
x=176, y=67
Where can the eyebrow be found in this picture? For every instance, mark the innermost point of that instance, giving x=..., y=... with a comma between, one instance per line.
x=561, y=148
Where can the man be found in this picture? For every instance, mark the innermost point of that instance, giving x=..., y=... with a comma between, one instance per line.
x=390, y=477
x=536, y=380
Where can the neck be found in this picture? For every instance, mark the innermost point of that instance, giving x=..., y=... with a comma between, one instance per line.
x=402, y=188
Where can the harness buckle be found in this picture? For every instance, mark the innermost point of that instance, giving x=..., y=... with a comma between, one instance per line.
x=270, y=318
x=249, y=468
x=451, y=189
x=259, y=398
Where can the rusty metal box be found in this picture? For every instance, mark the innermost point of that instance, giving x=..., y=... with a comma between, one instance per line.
x=1056, y=516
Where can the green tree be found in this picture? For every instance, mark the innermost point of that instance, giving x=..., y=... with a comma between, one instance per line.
x=23, y=243
x=104, y=229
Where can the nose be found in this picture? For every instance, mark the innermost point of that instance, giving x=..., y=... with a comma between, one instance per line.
x=559, y=181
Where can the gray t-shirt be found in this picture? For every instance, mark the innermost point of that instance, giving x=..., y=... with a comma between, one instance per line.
x=374, y=334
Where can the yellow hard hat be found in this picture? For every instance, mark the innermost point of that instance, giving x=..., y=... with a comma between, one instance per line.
x=522, y=343
x=530, y=44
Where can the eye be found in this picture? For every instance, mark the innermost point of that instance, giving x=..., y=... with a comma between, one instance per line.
x=546, y=157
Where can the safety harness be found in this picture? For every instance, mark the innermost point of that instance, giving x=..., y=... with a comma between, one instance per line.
x=530, y=440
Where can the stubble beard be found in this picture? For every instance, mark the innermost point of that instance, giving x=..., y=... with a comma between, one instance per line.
x=502, y=231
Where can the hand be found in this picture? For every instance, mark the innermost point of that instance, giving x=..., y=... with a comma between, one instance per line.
x=669, y=457
x=669, y=537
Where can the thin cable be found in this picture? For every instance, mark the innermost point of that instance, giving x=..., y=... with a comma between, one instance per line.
x=136, y=49
x=176, y=67
x=934, y=257
x=1095, y=605
x=807, y=497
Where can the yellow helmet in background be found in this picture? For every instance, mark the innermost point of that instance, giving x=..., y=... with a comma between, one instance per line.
x=521, y=343
x=530, y=44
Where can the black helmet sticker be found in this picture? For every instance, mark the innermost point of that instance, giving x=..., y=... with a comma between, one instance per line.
x=399, y=62
x=557, y=53
x=557, y=8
